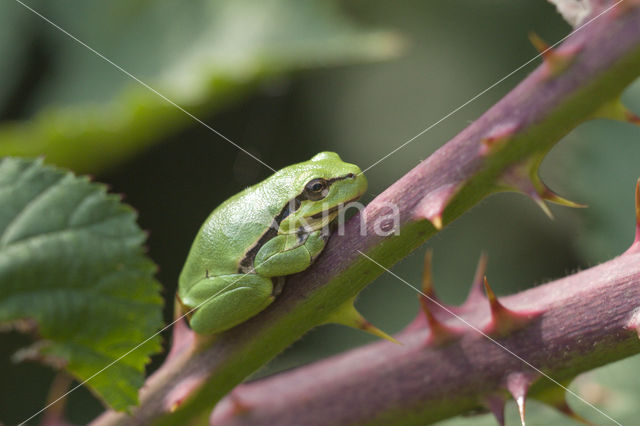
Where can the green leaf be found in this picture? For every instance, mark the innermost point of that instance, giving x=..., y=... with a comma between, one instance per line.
x=71, y=260
x=201, y=55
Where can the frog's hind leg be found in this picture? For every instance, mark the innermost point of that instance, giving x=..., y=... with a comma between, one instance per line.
x=225, y=301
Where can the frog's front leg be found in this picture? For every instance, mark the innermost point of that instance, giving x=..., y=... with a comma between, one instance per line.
x=224, y=301
x=288, y=254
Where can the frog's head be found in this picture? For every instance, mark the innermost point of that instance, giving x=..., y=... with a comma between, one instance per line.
x=323, y=185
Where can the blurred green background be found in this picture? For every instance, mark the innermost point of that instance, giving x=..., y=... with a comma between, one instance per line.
x=286, y=79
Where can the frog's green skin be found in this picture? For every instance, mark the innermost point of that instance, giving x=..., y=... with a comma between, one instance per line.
x=272, y=229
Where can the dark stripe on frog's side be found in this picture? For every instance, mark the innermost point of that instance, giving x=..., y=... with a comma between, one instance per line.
x=246, y=263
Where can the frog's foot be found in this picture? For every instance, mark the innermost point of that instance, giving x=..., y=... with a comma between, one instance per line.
x=222, y=302
x=283, y=255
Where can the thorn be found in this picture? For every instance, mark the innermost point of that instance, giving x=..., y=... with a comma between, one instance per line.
x=421, y=320
x=370, y=328
x=497, y=137
x=555, y=61
x=238, y=405
x=436, y=221
x=615, y=110
x=493, y=300
x=541, y=46
x=349, y=316
x=542, y=204
x=524, y=178
x=551, y=196
x=181, y=391
x=504, y=320
x=475, y=292
x=495, y=404
x=432, y=206
x=546, y=194
x=518, y=385
x=229, y=407
x=521, y=401
x=427, y=279
x=439, y=333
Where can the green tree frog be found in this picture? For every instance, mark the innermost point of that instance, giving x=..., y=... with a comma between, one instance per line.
x=245, y=248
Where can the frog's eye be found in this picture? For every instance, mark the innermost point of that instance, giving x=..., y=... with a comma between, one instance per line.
x=316, y=189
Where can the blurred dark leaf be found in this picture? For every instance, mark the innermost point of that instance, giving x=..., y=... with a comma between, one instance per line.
x=200, y=54
x=14, y=43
